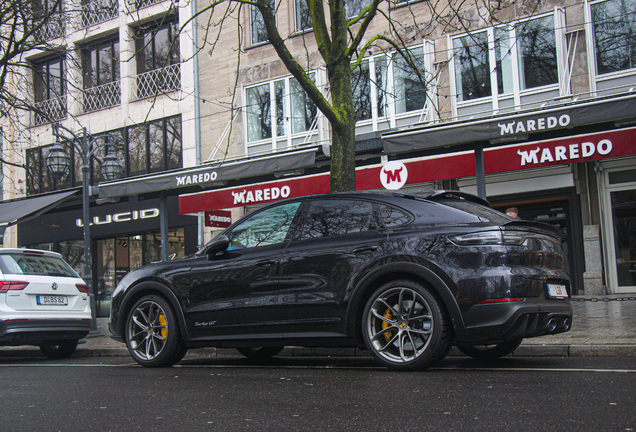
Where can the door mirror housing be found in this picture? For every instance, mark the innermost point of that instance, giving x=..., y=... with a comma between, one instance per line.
x=218, y=244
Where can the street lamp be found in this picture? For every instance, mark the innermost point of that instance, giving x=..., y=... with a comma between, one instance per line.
x=59, y=163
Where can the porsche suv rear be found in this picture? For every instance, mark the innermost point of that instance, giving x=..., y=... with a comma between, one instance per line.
x=43, y=302
x=406, y=275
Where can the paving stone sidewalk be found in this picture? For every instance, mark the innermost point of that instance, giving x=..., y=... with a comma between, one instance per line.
x=602, y=326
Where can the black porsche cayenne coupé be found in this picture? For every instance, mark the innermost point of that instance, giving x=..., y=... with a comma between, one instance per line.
x=405, y=274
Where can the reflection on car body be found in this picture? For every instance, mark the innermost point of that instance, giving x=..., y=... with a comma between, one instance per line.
x=406, y=275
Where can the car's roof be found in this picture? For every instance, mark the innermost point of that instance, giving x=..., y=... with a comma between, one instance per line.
x=418, y=194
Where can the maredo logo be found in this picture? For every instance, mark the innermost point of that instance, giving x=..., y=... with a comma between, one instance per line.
x=393, y=175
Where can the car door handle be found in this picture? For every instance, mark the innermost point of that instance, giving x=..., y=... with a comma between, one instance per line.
x=364, y=249
x=265, y=263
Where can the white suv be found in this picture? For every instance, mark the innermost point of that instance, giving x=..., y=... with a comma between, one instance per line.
x=43, y=302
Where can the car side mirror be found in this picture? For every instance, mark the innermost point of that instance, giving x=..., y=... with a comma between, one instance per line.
x=218, y=244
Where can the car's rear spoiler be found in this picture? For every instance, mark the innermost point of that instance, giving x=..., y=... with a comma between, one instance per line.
x=433, y=195
x=540, y=226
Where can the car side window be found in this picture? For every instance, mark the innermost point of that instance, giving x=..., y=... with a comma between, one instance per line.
x=264, y=228
x=392, y=216
x=336, y=217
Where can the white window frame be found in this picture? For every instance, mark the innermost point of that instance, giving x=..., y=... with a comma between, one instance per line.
x=591, y=53
x=285, y=140
x=517, y=92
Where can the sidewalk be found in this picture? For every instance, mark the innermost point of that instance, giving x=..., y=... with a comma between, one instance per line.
x=603, y=326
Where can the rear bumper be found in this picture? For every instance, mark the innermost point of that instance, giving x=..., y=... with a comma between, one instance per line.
x=35, y=332
x=499, y=322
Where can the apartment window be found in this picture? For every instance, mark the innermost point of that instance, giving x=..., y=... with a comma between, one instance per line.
x=140, y=149
x=158, y=46
x=49, y=88
x=385, y=84
x=277, y=109
x=49, y=80
x=614, y=29
x=257, y=24
x=354, y=7
x=304, y=21
x=155, y=146
x=100, y=63
x=529, y=47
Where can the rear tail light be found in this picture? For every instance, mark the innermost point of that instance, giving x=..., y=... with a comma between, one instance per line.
x=82, y=288
x=489, y=238
x=12, y=285
x=502, y=300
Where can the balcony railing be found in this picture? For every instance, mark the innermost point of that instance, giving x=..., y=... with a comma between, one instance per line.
x=159, y=81
x=98, y=11
x=140, y=4
x=101, y=97
x=53, y=26
x=50, y=110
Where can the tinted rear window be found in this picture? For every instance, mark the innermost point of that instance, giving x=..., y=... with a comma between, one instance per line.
x=37, y=265
x=486, y=214
x=337, y=217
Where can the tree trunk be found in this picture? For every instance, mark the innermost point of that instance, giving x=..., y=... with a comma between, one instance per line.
x=343, y=146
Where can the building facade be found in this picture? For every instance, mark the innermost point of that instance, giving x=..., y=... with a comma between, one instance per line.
x=534, y=109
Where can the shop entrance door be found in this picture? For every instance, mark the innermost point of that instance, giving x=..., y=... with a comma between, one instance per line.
x=620, y=219
x=117, y=256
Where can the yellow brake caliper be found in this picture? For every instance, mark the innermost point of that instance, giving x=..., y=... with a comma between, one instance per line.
x=385, y=325
x=164, y=325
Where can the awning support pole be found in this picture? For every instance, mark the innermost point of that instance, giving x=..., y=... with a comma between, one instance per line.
x=480, y=171
x=163, y=225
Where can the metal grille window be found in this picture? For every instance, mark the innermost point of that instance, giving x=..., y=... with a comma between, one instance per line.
x=50, y=90
x=614, y=29
x=51, y=12
x=158, y=57
x=101, y=75
x=523, y=55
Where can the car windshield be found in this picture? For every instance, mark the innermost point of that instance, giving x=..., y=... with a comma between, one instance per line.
x=38, y=265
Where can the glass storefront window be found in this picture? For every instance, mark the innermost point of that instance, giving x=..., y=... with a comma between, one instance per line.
x=624, y=219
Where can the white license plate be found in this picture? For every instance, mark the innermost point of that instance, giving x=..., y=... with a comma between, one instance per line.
x=52, y=300
x=557, y=291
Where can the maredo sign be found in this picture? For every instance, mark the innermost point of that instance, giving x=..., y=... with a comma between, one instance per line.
x=395, y=174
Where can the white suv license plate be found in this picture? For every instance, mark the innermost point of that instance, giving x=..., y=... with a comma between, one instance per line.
x=52, y=300
x=557, y=291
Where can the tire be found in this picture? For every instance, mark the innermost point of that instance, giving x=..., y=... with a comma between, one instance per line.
x=63, y=350
x=490, y=352
x=260, y=353
x=152, y=333
x=406, y=327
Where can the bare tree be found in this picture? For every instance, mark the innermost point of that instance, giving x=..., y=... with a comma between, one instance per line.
x=343, y=39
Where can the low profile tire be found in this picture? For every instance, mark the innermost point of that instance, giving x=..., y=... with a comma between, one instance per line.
x=490, y=352
x=260, y=353
x=406, y=327
x=60, y=351
x=153, y=337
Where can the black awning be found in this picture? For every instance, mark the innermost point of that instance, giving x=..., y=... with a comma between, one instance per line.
x=509, y=128
x=209, y=174
x=21, y=210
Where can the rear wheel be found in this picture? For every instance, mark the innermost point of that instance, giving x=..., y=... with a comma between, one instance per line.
x=260, y=353
x=153, y=337
x=406, y=327
x=489, y=352
x=59, y=351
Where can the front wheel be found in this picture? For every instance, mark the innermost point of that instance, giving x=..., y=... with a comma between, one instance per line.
x=406, y=327
x=490, y=352
x=153, y=337
x=60, y=351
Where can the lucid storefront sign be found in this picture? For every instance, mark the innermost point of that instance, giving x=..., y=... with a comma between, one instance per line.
x=422, y=170
x=134, y=216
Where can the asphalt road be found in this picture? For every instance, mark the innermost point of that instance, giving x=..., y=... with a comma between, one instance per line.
x=318, y=394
